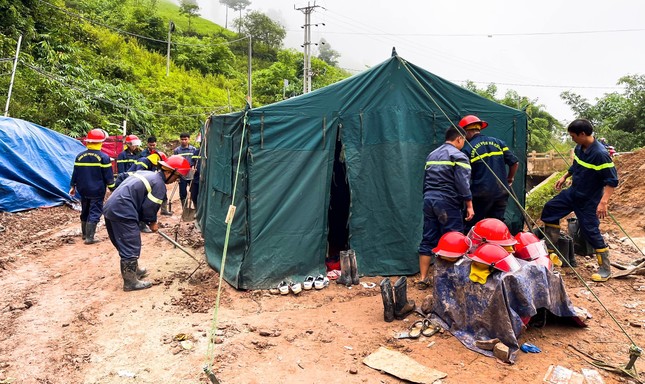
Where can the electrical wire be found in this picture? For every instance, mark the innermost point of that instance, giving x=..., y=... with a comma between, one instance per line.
x=95, y=97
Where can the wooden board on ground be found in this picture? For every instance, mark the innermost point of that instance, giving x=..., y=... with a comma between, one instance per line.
x=402, y=366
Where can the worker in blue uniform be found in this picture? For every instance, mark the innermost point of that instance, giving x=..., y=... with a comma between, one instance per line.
x=186, y=150
x=446, y=191
x=194, y=184
x=151, y=146
x=594, y=178
x=137, y=199
x=129, y=155
x=91, y=177
x=487, y=154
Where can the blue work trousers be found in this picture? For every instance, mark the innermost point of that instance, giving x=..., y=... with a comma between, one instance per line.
x=584, y=208
x=486, y=207
x=126, y=238
x=91, y=209
x=439, y=217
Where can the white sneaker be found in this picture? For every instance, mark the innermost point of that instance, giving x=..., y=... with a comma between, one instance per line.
x=308, y=283
x=296, y=288
x=321, y=282
x=283, y=287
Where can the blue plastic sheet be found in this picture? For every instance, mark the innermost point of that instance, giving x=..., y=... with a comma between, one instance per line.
x=473, y=311
x=36, y=165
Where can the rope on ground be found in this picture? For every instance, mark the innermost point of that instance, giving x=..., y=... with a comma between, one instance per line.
x=210, y=352
x=526, y=215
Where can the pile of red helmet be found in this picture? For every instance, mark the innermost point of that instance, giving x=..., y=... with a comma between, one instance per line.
x=490, y=242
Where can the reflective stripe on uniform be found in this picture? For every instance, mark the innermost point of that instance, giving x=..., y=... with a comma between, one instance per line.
x=149, y=188
x=141, y=164
x=452, y=163
x=592, y=166
x=92, y=165
x=498, y=153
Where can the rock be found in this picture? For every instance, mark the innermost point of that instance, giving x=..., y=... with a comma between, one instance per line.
x=426, y=305
x=353, y=370
x=487, y=345
x=502, y=352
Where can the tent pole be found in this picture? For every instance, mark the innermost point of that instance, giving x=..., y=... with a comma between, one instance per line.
x=13, y=76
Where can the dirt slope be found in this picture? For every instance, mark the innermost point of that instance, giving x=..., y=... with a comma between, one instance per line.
x=65, y=319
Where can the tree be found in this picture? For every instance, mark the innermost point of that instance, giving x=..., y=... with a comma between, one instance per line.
x=327, y=54
x=262, y=30
x=236, y=5
x=190, y=9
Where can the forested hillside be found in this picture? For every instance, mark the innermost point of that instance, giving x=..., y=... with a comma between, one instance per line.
x=96, y=63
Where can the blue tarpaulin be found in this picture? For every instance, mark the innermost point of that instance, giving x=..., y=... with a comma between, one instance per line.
x=36, y=165
x=473, y=311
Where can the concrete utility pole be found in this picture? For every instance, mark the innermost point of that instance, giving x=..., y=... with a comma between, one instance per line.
x=13, y=76
x=306, y=67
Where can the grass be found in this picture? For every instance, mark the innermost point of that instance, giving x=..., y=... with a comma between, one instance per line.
x=168, y=10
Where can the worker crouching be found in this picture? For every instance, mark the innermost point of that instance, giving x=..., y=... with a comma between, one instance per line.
x=137, y=199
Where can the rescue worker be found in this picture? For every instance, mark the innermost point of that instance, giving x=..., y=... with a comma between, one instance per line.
x=129, y=155
x=149, y=163
x=151, y=146
x=489, y=197
x=446, y=189
x=594, y=178
x=137, y=199
x=194, y=184
x=91, y=176
x=186, y=150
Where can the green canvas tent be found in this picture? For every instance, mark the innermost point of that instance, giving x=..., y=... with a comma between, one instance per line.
x=340, y=166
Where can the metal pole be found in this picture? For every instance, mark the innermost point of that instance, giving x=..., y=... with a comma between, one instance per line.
x=13, y=76
x=250, y=97
x=171, y=27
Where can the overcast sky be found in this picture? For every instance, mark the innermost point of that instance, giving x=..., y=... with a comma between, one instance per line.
x=538, y=48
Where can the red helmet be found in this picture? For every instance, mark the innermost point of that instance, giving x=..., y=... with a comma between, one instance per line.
x=491, y=231
x=177, y=163
x=545, y=261
x=132, y=140
x=472, y=119
x=529, y=247
x=452, y=245
x=162, y=155
x=495, y=256
x=96, y=135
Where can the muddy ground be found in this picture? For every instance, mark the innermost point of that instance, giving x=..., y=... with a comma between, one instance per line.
x=65, y=319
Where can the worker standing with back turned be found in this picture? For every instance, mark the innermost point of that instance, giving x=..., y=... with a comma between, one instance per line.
x=594, y=178
x=91, y=177
x=487, y=153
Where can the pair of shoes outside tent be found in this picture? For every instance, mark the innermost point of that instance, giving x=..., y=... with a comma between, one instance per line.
x=318, y=282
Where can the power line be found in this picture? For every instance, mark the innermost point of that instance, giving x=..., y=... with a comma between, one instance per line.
x=488, y=35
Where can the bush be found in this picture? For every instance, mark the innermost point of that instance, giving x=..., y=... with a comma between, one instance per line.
x=538, y=198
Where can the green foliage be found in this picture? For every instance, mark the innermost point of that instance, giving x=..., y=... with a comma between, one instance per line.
x=267, y=35
x=545, y=131
x=327, y=54
x=540, y=196
x=619, y=117
x=190, y=9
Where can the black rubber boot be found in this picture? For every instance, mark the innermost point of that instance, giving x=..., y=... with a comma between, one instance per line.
x=83, y=230
x=164, y=208
x=402, y=307
x=353, y=267
x=552, y=232
x=388, y=300
x=90, y=231
x=345, y=270
x=143, y=227
x=604, y=272
x=129, y=274
x=141, y=272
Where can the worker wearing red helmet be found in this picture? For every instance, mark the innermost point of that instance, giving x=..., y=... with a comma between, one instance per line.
x=91, y=177
x=129, y=155
x=487, y=153
x=137, y=199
